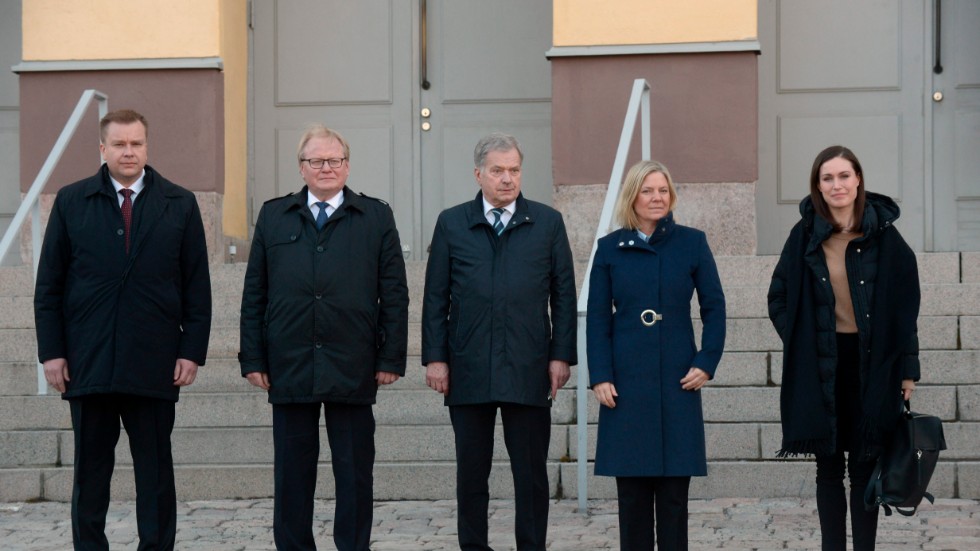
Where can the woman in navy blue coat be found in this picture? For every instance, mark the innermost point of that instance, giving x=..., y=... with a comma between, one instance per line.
x=645, y=368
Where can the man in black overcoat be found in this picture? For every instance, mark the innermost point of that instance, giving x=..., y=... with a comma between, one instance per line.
x=123, y=313
x=499, y=332
x=324, y=323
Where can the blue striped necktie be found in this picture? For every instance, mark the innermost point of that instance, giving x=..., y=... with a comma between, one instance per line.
x=498, y=224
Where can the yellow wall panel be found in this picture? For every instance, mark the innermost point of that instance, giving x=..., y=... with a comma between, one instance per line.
x=119, y=29
x=622, y=22
x=234, y=53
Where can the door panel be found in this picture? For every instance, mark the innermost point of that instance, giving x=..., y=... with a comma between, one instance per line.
x=825, y=79
x=332, y=63
x=485, y=79
x=354, y=66
x=956, y=129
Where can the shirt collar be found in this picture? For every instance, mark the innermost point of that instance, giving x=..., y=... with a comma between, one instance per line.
x=511, y=208
x=136, y=186
x=334, y=201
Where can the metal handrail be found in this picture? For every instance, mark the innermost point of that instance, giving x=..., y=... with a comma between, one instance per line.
x=638, y=106
x=31, y=203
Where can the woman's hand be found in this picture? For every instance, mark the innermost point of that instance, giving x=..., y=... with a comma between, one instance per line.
x=606, y=394
x=908, y=387
x=695, y=379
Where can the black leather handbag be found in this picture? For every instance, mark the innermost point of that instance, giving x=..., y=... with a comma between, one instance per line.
x=903, y=471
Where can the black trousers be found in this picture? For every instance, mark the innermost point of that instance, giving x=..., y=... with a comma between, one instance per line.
x=527, y=433
x=296, y=437
x=832, y=504
x=149, y=423
x=647, y=503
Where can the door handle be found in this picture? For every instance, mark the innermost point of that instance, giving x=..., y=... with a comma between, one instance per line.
x=423, y=46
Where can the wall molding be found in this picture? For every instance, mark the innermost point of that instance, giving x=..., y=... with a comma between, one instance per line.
x=118, y=64
x=646, y=49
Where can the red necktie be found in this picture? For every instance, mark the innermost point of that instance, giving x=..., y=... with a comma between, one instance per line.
x=127, y=213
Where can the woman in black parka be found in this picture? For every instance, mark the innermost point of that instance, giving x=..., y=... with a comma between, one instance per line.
x=844, y=299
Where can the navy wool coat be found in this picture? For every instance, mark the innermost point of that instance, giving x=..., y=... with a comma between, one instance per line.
x=122, y=320
x=656, y=428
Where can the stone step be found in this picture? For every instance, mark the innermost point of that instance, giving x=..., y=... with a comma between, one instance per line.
x=251, y=409
x=392, y=481
x=741, y=302
x=227, y=279
x=436, y=480
x=254, y=445
x=424, y=407
x=770, y=478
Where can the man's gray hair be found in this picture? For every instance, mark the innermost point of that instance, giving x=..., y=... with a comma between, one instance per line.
x=497, y=141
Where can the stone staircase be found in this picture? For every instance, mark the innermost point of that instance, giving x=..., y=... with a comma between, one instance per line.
x=223, y=434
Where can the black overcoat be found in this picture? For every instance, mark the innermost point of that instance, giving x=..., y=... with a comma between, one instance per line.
x=323, y=311
x=884, y=287
x=487, y=300
x=122, y=320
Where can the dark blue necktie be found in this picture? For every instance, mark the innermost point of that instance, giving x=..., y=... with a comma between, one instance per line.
x=498, y=224
x=321, y=218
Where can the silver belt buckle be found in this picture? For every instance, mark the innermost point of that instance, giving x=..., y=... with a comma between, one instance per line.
x=652, y=315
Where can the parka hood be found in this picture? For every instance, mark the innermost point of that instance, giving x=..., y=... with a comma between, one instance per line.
x=880, y=211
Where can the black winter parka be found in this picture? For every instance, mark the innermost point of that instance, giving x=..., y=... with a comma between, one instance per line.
x=487, y=301
x=122, y=320
x=884, y=287
x=323, y=311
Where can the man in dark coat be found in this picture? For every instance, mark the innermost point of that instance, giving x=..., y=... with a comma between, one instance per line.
x=324, y=322
x=123, y=315
x=496, y=266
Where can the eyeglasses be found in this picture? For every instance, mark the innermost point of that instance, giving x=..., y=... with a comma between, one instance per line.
x=333, y=163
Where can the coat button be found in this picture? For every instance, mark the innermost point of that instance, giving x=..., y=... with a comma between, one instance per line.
x=319, y=249
x=859, y=250
x=862, y=282
x=631, y=241
x=621, y=243
x=119, y=231
x=319, y=344
x=318, y=296
x=292, y=238
x=823, y=279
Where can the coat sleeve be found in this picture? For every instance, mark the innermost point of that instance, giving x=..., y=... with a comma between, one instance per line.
x=255, y=300
x=598, y=322
x=49, y=290
x=564, y=310
x=392, y=301
x=910, y=367
x=195, y=323
x=711, y=298
x=778, y=291
x=436, y=298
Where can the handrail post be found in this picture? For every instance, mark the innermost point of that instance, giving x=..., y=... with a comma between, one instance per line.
x=638, y=107
x=31, y=203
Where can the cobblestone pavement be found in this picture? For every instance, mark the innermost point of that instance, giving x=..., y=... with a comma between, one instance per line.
x=731, y=524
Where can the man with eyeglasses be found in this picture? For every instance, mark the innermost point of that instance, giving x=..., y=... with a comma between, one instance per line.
x=324, y=322
x=499, y=332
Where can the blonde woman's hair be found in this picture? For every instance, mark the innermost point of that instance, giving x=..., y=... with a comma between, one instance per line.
x=624, y=213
